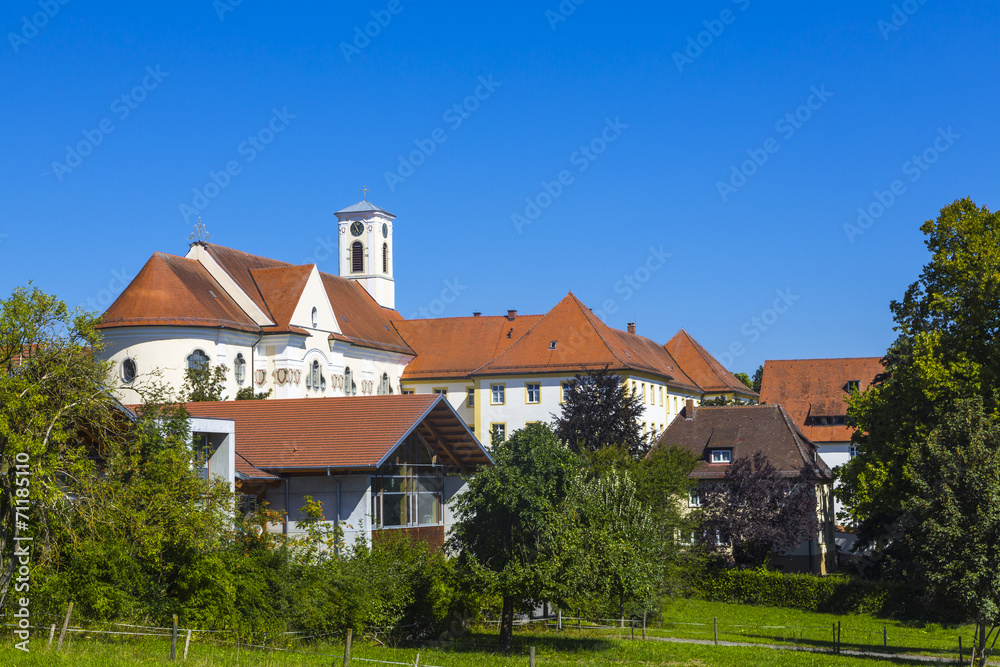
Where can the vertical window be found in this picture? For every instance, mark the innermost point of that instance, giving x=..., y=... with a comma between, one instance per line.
x=471, y=400
x=315, y=317
x=675, y=404
x=497, y=394
x=350, y=389
x=357, y=257
x=642, y=393
x=197, y=359
x=314, y=378
x=566, y=388
x=634, y=390
x=853, y=451
x=534, y=392
x=383, y=385
x=498, y=432
x=385, y=258
x=240, y=369
x=694, y=497
x=661, y=397
x=407, y=489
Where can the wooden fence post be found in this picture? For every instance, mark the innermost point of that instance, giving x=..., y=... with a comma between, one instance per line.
x=644, y=625
x=834, y=637
x=631, y=625
x=559, y=620
x=52, y=633
x=62, y=635
x=173, y=640
x=187, y=643
x=839, y=647
x=531, y=656
x=960, y=659
x=715, y=628
x=885, y=637
x=347, y=648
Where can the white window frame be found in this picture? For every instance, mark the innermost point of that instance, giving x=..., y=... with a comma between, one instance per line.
x=722, y=455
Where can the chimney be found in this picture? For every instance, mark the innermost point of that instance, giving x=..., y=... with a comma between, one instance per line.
x=689, y=409
x=631, y=327
x=477, y=314
x=511, y=315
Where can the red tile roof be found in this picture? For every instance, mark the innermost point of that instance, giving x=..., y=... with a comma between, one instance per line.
x=703, y=368
x=174, y=291
x=453, y=347
x=582, y=343
x=816, y=388
x=354, y=432
x=745, y=430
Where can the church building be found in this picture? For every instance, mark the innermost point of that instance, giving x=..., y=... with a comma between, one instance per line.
x=301, y=333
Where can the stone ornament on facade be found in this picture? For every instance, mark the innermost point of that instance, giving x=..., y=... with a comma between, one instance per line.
x=260, y=377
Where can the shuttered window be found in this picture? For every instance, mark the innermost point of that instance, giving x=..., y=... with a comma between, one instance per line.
x=385, y=258
x=357, y=257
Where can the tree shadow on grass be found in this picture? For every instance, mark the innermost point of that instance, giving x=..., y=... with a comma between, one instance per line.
x=827, y=644
x=488, y=642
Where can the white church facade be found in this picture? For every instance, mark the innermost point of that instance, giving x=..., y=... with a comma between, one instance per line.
x=297, y=332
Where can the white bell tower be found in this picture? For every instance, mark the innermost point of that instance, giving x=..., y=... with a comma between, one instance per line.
x=365, y=233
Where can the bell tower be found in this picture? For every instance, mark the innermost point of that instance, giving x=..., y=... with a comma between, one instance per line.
x=365, y=233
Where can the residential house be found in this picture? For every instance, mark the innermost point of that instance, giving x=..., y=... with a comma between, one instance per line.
x=718, y=436
x=377, y=463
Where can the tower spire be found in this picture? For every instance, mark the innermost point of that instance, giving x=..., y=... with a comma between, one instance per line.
x=200, y=234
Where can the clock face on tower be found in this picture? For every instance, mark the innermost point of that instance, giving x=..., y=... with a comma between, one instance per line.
x=357, y=228
x=385, y=230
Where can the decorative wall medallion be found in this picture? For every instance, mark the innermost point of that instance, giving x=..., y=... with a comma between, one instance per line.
x=260, y=377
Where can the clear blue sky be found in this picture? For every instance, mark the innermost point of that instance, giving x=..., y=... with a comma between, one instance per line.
x=182, y=86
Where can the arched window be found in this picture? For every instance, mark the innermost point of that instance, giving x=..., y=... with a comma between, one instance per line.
x=350, y=389
x=197, y=359
x=315, y=379
x=383, y=386
x=128, y=371
x=240, y=369
x=357, y=257
x=315, y=318
x=385, y=258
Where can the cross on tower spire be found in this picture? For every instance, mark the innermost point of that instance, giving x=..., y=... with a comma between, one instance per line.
x=364, y=193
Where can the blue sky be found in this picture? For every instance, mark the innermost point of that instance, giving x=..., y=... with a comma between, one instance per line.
x=710, y=154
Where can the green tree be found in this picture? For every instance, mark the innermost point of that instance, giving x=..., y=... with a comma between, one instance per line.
x=663, y=482
x=745, y=379
x=758, y=379
x=947, y=349
x=54, y=409
x=248, y=394
x=952, y=520
x=513, y=526
x=206, y=383
x=619, y=541
x=599, y=411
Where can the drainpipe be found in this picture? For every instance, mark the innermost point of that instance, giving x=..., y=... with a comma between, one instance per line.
x=287, y=513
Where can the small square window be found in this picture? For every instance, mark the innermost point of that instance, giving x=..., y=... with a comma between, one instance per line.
x=471, y=400
x=694, y=498
x=853, y=450
x=722, y=455
x=497, y=394
x=534, y=393
x=442, y=392
x=498, y=432
x=552, y=345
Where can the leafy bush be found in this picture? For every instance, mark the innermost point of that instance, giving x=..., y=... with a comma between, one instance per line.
x=832, y=594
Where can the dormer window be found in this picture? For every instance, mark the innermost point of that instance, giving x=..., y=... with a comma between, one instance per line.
x=853, y=385
x=552, y=345
x=721, y=455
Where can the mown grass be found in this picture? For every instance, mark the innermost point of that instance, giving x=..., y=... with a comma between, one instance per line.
x=473, y=650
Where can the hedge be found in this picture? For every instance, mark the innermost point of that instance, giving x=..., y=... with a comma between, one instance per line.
x=835, y=594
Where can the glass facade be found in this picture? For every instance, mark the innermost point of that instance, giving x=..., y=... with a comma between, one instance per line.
x=407, y=489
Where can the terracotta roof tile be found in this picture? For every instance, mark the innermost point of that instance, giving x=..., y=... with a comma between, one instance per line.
x=746, y=430
x=817, y=388
x=703, y=368
x=582, y=343
x=239, y=265
x=361, y=319
x=174, y=291
x=343, y=432
x=281, y=289
x=453, y=347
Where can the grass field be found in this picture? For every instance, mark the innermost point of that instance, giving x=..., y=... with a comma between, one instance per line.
x=585, y=647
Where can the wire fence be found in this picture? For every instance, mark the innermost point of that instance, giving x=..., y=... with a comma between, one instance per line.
x=213, y=644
